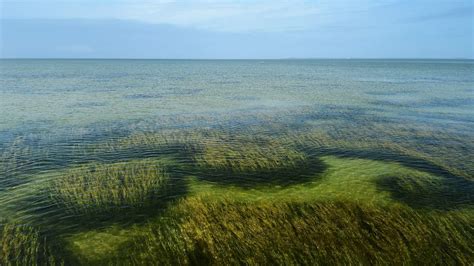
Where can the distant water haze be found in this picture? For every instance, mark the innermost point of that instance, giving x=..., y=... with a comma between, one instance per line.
x=62, y=94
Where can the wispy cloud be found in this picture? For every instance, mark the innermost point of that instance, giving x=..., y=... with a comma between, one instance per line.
x=245, y=15
x=217, y=15
x=458, y=12
x=236, y=28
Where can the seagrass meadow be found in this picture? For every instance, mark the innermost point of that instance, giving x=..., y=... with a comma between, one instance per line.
x=236, y=162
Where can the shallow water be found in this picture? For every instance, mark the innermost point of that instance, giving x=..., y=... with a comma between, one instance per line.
x=372, y=131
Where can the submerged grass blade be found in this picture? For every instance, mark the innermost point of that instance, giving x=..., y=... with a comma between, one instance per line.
x=23, y=245
x=230, y=233
x=106, y=187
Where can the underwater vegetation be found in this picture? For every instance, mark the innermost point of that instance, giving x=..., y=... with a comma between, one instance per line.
x=23, y=245
x=105, y=187
x=431, y=150
x=323, y=195
x=249, y=163
x=248, y=157
x=430, y=193
x=329, y=194
x=198, y=231
x=248, y=200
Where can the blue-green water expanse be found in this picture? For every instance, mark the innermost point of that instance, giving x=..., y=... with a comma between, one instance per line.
x=190, y=161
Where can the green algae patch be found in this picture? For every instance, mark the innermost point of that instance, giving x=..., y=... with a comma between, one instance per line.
x=105, y=187
x=412, y=144
x=99, y=246
x=347, y=179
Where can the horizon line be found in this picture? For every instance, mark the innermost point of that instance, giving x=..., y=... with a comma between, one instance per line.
x=278, y=58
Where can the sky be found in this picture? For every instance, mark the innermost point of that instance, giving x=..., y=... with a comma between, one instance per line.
x=208, y=29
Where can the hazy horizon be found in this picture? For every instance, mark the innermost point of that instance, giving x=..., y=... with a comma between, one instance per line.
x=243, y=59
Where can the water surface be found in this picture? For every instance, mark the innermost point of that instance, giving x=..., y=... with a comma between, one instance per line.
x=382, y=132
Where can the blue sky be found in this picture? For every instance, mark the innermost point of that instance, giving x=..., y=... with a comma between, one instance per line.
x=237, y=29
